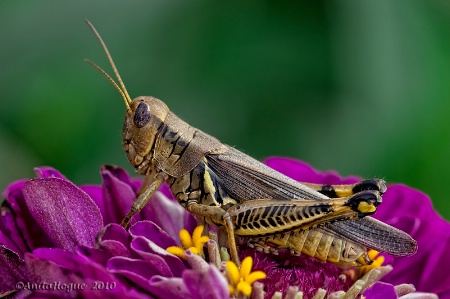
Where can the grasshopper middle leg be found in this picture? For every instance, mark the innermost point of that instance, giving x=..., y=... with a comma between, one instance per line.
x=219, y=217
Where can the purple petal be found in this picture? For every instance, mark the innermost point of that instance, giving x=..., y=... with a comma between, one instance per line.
x=422, y=268
x=23, y=230
x=122, y=175
x=118, y=194
x=152, y=232
x=57, y=265
x=145, y=268
x=432, y=233
x=148, y=250
x=96, y=194
x=48, y=172
x=100, y=256
x=380, y=290
x=168, y=215
x=405, y=198
x=165, y=189
x=116, y=232
x=173, y=288
x=24, y=294
x=65, y=213
x=60, y=257
x=206, y=284
x=303, y=172
x=80, y=265
x=43, y=270
x=115, y=248
x=127, y=268
x=195, y=261
x=12, y=270
x=444, y=295
x=114, y=239
x=138, y=271
x=10, y=234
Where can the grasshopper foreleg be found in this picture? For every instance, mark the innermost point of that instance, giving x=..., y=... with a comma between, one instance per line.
x=143, y=198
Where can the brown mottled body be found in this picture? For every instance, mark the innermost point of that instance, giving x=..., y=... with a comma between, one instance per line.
x=232, y=190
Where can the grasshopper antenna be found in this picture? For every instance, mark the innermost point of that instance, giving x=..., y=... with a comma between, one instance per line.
x=110, y=80
x=121, y=89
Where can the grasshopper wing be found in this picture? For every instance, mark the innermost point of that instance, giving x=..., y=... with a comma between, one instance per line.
x=374, y=234
x=245, y=178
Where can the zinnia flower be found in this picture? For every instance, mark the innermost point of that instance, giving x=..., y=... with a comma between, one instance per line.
x=407, y=209
x=59, y=240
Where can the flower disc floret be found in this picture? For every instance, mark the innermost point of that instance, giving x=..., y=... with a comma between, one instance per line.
x=241, y=280
x=193, y=243
x=377, y=259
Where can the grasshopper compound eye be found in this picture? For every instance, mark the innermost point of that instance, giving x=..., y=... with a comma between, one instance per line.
x=141, y=115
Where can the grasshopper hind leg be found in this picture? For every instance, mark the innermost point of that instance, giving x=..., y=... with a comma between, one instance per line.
x=335, y=191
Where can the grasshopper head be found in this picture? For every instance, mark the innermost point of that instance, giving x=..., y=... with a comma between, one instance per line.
x=143, y=118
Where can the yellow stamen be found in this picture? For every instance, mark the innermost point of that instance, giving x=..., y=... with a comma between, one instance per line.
x=196, y=235
x=372, y=253
x=175, y=250
x=254, y=276
x=245, y=288
x=233, y=272
x=246, y=267
x=231, y=289
x=186, y=239
x=241, y=280
x=378, y=261
x=194, y=243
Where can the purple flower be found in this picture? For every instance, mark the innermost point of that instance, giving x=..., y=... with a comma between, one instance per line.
x=407, y=209
x=59, y=240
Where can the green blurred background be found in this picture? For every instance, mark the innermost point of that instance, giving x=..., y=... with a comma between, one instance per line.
x=362, y=87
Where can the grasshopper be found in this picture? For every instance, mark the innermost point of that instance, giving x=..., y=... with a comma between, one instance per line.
x=229, y=189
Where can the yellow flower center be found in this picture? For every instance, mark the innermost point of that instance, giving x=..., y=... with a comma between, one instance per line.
x=378, y=261
x=241, y=280
x=193, y=243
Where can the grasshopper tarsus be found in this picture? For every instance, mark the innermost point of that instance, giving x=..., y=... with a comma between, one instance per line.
x=126, y=221
x=334, y=191
x=365, y=202
x=375, y=184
